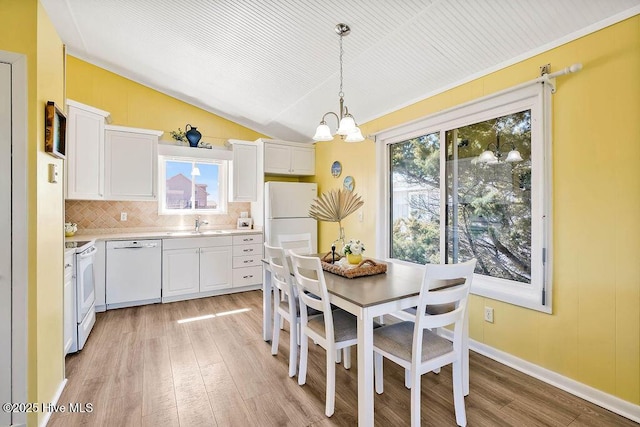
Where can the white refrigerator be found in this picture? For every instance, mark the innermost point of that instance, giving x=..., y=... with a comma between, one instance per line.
x=286, y=210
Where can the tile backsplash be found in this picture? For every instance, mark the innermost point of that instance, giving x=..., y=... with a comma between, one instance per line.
x=94, y=216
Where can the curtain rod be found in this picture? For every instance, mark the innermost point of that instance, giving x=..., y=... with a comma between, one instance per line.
x=546, y=78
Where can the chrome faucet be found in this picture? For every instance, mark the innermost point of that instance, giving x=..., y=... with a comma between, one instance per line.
x=199, y=223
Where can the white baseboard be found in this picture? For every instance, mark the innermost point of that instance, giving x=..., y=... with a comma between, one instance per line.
x=55, y=399
x=588, y=393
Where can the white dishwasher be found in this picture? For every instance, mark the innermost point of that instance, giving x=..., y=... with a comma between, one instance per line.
x=134, y=273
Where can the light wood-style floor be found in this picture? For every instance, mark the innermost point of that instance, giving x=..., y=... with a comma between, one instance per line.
x=141, y=368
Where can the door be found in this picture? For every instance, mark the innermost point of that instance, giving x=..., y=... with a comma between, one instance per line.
x=130, y=165
x=244, y=187
x=289, y=199
x=180, y=272
x=276, y=227
x=215, y=268
x=5, y=240
x=69, y=301
x=277, y=159
x=85, y=163
x=303, y=161
x=127, y=283
x=85, y=283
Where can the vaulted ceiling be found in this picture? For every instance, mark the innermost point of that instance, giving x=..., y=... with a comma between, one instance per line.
x=273, y=65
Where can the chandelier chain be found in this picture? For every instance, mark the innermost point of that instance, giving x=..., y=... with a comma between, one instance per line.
x=341, y=93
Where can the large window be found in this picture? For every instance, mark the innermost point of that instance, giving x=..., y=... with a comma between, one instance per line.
x=472, y=182
x=415, y=194
x=189, y=186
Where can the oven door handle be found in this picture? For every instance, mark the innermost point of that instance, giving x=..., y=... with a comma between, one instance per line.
x=88, y=253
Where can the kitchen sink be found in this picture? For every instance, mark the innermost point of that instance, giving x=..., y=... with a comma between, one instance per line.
x=196, y=233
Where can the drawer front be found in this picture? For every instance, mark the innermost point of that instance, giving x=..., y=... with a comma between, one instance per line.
x=247, y=239
x=247, y=250
x=196, y=242
x=247, y=276
x=247, y=261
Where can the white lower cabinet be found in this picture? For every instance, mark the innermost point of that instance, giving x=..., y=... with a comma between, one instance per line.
x=69, y=300
x=195, y=267
x=247, y=260
x=215, y=268
x=180, y=272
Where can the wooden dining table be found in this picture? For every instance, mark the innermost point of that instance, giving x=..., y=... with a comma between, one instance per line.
x=366, y=298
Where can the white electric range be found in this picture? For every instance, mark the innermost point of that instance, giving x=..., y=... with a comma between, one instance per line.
x=85, y=293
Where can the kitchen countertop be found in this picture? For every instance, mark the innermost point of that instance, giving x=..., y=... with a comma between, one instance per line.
x=161, y=234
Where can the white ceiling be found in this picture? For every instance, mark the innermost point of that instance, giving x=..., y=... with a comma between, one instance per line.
x=272, y=65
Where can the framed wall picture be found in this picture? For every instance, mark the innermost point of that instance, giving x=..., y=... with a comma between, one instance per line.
x=336, y=169
x=55, y=130
x=245, y=223
x=349, y=183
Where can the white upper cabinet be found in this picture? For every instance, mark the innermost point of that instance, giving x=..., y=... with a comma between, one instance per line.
x=245, y=168
x=130, y=167
x=107, y=162
x=289, y=158
x=85, y=148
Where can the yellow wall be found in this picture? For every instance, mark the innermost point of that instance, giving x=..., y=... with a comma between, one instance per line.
x=27, y=30
x=132, y=104
x=593, y=335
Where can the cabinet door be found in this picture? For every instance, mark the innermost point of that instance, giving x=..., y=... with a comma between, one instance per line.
x=180, y=272
x=277, y=159
x=244, y=186
x=130, y=166
x=303, y=161
x=215, y=268
x=85, y=165
x=69, y=298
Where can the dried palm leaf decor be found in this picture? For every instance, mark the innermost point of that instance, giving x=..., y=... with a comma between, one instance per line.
x=334, y=206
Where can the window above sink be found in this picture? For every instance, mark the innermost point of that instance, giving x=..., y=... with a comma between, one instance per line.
x=193, y=181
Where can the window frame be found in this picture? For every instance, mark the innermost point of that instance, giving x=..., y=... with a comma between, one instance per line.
x=223, y=188
x=538, y=294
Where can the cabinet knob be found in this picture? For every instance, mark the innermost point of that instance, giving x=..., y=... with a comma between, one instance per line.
x=247, y=250
x=67, y=265
x=247, y=277
x=248, y=261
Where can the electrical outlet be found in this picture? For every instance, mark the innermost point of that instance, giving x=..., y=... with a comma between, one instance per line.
x=123, y=216
x=360, y=216
x=488, y=314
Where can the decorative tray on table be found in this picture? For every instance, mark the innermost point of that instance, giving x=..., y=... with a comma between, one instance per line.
x=366, y=267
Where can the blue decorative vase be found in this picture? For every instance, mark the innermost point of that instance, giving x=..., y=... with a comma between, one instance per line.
x=192, y=134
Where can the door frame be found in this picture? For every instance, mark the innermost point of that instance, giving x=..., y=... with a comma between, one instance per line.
x=19, y=240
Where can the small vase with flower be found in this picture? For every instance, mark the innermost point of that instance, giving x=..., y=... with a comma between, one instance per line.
x=353, y=249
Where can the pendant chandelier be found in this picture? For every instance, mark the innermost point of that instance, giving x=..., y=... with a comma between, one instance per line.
x=491, y=157
x=347, y=127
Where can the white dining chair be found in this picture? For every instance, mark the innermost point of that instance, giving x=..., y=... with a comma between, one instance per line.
x=298, y=243
x=333, y=330
x=439, y=309
x=416, y=348
x=285, y=304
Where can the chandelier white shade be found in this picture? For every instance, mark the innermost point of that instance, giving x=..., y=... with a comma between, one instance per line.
x=323, y=133
x=491, y=157
x=347, y=127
